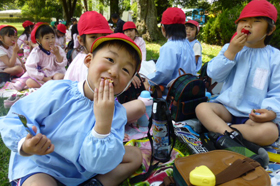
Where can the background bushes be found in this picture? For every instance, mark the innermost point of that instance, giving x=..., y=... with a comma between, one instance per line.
x=219, y=30
x=22, y=19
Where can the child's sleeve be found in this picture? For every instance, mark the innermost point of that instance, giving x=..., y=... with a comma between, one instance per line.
x=272, y=100
x=220, y=67
x=142, y=46
x=32, y=63
x=197, y=49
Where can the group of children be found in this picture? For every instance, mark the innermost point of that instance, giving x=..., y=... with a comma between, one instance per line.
x=79, y=124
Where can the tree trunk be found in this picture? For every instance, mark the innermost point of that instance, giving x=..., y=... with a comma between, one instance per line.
x=69, y=7
x=114, y=7
x=147, y=20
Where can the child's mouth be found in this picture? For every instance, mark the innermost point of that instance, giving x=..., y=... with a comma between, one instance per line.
x=110, y=80
x=245, y=31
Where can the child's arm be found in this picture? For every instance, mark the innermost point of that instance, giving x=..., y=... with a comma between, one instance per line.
x=10, y=62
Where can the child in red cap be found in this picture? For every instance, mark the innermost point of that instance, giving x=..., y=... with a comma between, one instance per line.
x=60, y=39
x=192, y=29
x=24, y=41
x=249, y=69
x=176, y=53
x=91, y=26
x=129, y=29
x=46, y=61
x=79, y=126
x=9, y=62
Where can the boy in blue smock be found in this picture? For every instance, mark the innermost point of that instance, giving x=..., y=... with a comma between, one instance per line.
x=192, y=29
x=79, y=126
x=176, y=52
x=249, y=67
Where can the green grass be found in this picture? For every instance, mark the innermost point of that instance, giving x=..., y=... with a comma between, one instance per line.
x=208, y=52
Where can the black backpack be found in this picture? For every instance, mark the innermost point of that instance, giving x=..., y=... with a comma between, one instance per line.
x=184, y=94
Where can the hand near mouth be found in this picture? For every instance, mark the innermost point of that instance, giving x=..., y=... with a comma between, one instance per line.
x=245, y=31
x=16, y=48
x=104, y=102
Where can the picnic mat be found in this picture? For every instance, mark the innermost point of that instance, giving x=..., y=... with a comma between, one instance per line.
x=157, y=175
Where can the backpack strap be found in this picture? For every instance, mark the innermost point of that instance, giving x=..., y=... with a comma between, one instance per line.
x=236, y=169
x=180, y=69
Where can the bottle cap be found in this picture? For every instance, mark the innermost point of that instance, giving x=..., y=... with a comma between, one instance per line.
x=145, y=94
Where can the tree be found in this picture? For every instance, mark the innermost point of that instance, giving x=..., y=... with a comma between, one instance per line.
x=69, y=7
x=147, y=20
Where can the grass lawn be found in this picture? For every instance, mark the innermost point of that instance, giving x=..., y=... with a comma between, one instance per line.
x=208, y=52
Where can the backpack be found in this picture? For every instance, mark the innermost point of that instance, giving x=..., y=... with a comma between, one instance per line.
x=184, y=94
x=206, y=79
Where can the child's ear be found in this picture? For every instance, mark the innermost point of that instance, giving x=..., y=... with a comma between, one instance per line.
x=273, y=29
x=88, y=59
x=80, y=40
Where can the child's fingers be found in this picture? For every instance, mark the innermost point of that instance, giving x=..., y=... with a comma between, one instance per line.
x=101, y=89
x=106, y=90
x=95, y=95
x=50, y=149
x=111, y=93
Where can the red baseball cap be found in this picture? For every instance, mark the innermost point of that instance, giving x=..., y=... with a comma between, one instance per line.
x=61, y=28
x=92, y=22
x=195, y=23
x=117, y=36
x=173, y=15
x=258, y=8
x=129, y=25
x=3, y=26
x=33, y=33
x=27, y=23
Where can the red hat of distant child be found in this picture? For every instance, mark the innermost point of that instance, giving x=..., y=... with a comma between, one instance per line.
x=173, y=15
x=92, y=22
x=33, y=33
x=129, y=25
x=117, y=36
x=61, y=28
x=258, y=8
x=27, y=23
x=195, y=23
x=3, y=26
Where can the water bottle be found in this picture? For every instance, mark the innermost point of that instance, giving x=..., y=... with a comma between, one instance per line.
x=145, y=96
x=161, y=131
x=26, y=51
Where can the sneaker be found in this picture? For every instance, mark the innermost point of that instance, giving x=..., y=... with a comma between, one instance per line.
x=18, y=85
x=237, y=136
x=227, y=143
x=11, y=100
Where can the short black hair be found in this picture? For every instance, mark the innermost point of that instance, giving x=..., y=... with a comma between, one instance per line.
x=43, y=30
x=176, y=31
x=269, y=29
x=7, y=30
x=115, y=16
x=121, y=44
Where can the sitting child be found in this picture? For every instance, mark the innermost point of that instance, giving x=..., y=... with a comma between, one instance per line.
x=192, y=29
x=24, y=39
x=45, y=62
x=249, y=67
x=60, y=38
x=79, y=126
x=9, y=62
x=176, y=53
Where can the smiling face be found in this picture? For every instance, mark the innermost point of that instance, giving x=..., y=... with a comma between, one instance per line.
x=8, y=40
x=112, y=62
x=47, y=41
x=257, y=28
x=130, y=33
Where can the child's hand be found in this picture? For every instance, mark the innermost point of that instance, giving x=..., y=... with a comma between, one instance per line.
x=136, y=82
x=16, y=48
x=262, y=115
x=39, y=144
x=104, y=102
x=55, y=50
x=236, y=44
x=146, y=85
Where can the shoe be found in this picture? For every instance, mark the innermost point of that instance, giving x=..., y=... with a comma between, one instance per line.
x=237, y=136
x=18, y=85
x=12, y=99
x=227, y=143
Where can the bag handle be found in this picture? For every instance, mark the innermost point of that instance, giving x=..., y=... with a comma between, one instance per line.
x=236, y=169
x=180, y=69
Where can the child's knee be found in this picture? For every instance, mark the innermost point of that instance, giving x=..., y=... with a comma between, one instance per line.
x=135, y=155
x=201, y=108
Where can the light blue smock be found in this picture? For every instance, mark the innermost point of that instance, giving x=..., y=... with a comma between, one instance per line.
x=251, y=80
x=60, y=111
x=174, y=54
x=199, y=62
